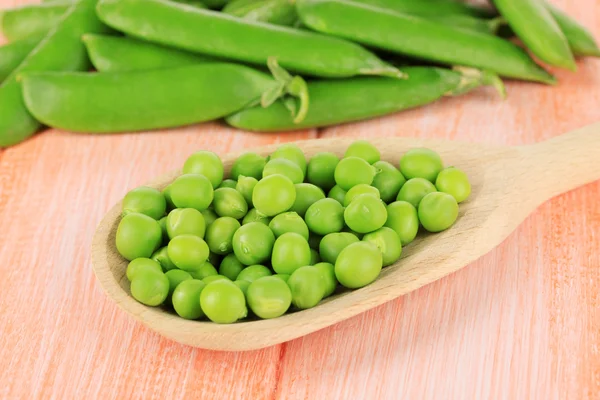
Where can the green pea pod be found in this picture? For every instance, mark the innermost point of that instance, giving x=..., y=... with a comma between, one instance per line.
x=340, y=101
x=432, y=8
x=221, y=35
x=192, y=3
x=32, y=20
x=580, y=40
x=420, y=38
x=60, y=50
x=482, y=25
x=278, y=12
x=13, y=54
x=533, y=23
x=117, y=53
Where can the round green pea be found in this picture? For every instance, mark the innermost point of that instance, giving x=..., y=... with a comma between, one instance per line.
x=254, y=216
x=228, y=183
x=209, y=216
x=307, y=287
x=245, y=185
x=438, y=211
x=353, y=171
x=328, y=278
x=321, y=170
x=358, y=190
x=243, y=285
x=338, y=194
x=454, y=182
x=145, y=200
x=214, y=278
x=186, y=299
x=290, y=252
x=281, y=166
x=283, y=277
x=150, y=287
x=269, y=297
x=388, y=242
x=253, y=272
x=363, y=149
x=332, y=245
x=205, y=163
x=187, y=252
x=248, y=164
x=315, y=258
x=223, y=302
x=141, y=265
x=366, y=213
x=289, y=222
x=273, y=195
x=192, y=191
x=231, y=267
x=219, y=235
x=230, y=203
x=185, y=221
x=421, y=163
x=306, y=195
x=138, y=235
x=253, y=243
x=161, y=256
x=388, y=180
x=403, y=219
x=291, y=152
x=414, y=190
x=203, y=271
x=175, y=277
x=358, y=265
x=325, y=216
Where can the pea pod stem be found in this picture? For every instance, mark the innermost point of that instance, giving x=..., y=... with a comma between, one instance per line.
x=293, y=85
x=472, y=78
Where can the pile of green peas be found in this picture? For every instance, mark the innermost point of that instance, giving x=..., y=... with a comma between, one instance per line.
x=281, y=233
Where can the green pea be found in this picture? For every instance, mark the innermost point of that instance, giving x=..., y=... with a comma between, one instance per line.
x=421, y=163
x=141, y=265
x=219, y=235
x=243, y=285
x=228, y=183
x=338, y=194
x=352, y=171
x=283, y=277
x=185, y=221
x=163, y=228
x=223, y=302
x=314, y=240
x=245, y=185
x=273, y=195
x=306, y=195
x=325, y=216
x=215, y=278
x=363, y=149
x=186, y=299
x=284, y=167
x=248, y=164
x=254, y=216
x=454, y=182
x=188, y=252
x=388, y=180
x=291, y=152
x=388, y=242
x=175, y=277
x=289, y=222
x=366, y=213
x=328, y=278
x=290, y=252
x=307, y=287
x=167, y=194
x=145, y=200
x=137, y=236
x=209, y=216
x=358, y=190
x=269, y=297
x=414, y=190
x=253, y=243
x=402, y=218
x=253, y=272
x=205, y=163
x=230, y=203
x=150, y=288
x=231, y=267
x=438, y=211
x=358, y=265
x=332, y=245
x=161, y=256
x=191, y=191
x=321, y=170
x=315, y=258
x=203, y=271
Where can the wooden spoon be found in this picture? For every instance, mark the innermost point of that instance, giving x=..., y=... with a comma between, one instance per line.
x=508, y=184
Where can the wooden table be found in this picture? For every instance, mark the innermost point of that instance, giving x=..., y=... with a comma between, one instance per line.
x=521, y=323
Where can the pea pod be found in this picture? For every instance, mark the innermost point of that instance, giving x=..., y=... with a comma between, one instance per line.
x=32, y=20
x=533, y=23
x=340, y=101
x=420, y=38
x=60, y=50
x=13, y=54
x=432, y=8
x=278, y=12
x=221, y=35
x=580, y=40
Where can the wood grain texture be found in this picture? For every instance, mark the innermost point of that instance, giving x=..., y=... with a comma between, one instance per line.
x=521, y=323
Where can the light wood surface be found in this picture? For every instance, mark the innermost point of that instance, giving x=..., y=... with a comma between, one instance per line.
x=520, y=323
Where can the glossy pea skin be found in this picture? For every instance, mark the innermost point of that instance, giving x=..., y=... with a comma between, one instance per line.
x=185, y=221
x=353, y=171
x=137, y=236
x=161, y=256
x=141, y=265
x=289, y=222
x=358, y=265
x=186, y=299
x=358, y=190
x=205, y=270
x=187, y=252
x=403, y=218
x=253, y=243
x=150, y=288
x=332, y=245
x=388, y=242
x=273, y=195
x=363, y=149
x=209, y=216
x=432, y=8
x=277, y=12
x=307, y=287
x=421, y=163
x=325, y=216
x=388, y=180
x=191, y=191
x=338, y=194
x=248, y=164
x=269, y=297
x=175, y=277
x=321, y=169
x=315, y=257
x=414, y=190
x=328, y=278
x=254, y=272
x=223, y=302
x=228, y=183
x=284, y=167
x=219, y=235
x=306, y=195
x=254, y=216
x=214, y=278
x=454, y=182
x=229, y=203
x=243, y=285
x=291, y=152
x=290, y=252
x=438, y=211
x=205, y=163
x=231, y=267
x=366, y=213
x=245, y=185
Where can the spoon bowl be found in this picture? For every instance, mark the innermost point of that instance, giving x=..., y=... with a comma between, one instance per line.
x=508, y=183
